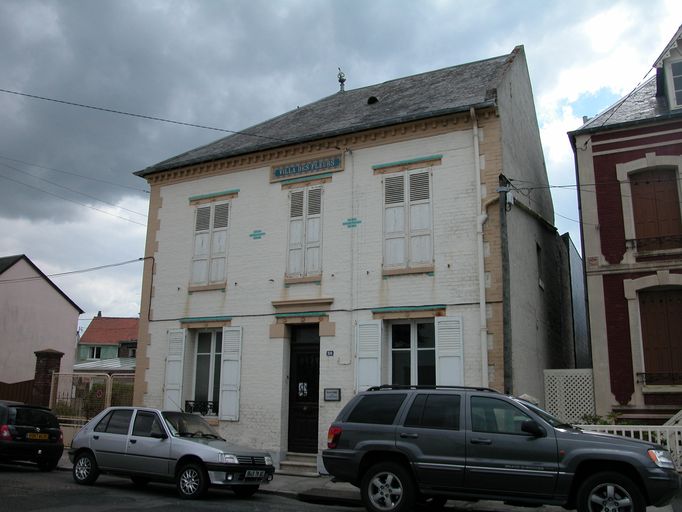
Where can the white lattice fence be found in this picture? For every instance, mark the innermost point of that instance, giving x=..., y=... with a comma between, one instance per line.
x=569, y=394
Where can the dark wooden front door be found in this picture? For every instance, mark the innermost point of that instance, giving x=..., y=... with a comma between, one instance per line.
x=304, y=379
x=661, y=318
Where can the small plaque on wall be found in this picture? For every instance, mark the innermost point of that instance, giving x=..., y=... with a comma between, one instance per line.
x=332, y=394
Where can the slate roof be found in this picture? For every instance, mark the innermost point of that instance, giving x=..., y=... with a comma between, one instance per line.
x=105, y=330
x=430, y=94
x=113, y=365
x=8, y=261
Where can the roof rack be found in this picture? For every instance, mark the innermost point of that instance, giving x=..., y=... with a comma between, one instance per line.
x=405, y=386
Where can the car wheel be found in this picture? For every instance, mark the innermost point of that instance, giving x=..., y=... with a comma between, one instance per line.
x=85, y=470
x=47, y=464
x=387, y=487
x=609, y=492
x=192, y=481
x=245, y=491
x=139, y=481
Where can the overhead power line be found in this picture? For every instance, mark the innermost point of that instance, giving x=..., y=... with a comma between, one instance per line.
x=71, y=272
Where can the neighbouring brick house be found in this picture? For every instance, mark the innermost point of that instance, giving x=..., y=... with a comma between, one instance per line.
x=36, y=316
x=629, y=160
x=355, y=241
x=108, y=344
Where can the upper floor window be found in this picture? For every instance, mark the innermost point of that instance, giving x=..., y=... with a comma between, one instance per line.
x=407, y=220
x=95, y=353
x=305, y=232
x=676, y=83
x=210, y=244
x=656, y=209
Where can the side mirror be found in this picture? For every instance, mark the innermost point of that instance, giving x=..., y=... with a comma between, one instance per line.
x=533, y=428
x=159, y=435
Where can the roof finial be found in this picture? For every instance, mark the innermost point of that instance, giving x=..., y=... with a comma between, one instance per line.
x=342, y=79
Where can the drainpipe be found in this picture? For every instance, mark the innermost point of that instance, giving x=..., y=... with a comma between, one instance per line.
x=480, y=221
x=506, y=299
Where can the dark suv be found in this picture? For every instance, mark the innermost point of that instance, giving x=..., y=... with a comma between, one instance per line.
x=30, y=433
x=405, y=444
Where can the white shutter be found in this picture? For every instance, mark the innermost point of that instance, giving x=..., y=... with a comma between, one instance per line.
x=296, y=233
x=368, y=352
x=172, y=393
x=420, y=219
x=394, y=221
x=449, y=351
x=313, y=233
x=230, y=373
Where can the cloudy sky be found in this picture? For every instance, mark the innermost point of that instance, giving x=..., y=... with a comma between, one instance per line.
x=68, y=198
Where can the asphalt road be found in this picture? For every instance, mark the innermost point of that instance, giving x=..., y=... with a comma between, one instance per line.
x=24, y=488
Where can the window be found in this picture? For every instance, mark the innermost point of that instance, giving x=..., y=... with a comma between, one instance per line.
x=676, y=78
x=377, y=409
x=434, y=411
x=95, y=353
x=116, y=422
x=413, y=353
x=146, y=424
x=496, y=416
x=305, y=232
x=407, y=220
x=210, y=244
x=207, y=370
x=656, y=209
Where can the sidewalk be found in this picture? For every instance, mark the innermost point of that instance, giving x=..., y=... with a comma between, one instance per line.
x=323, y=491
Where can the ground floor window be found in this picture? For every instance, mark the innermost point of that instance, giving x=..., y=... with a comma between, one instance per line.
x=412, y=352
x=207, y=370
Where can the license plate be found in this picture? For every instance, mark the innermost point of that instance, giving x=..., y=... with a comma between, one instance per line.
x=254, y=473
x=37, y=437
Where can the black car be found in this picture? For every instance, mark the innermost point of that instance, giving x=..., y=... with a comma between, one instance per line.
x=400, y=445
x=30, y=433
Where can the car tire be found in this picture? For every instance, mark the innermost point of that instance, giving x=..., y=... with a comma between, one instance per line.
x=139, y=481
x=191, y=481
x=47, y=464
x=610, y=489
x=85, y=470
x=245, y=491
x=387, y=487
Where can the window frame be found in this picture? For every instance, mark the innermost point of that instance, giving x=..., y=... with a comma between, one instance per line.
x=414, y=348
x=408, y=233
x=305, y=243
x=670, y=83
x=209, y=256
x=95, y=352
x=213, y=364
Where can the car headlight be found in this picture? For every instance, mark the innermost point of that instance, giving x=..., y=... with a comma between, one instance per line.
x=228, y=458
x=662, y=458
x=268, y=460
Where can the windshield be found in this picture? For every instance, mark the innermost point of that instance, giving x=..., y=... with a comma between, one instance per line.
x=182, y=424
x=552, y=420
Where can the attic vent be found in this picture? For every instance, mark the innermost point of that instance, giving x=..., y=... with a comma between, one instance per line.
x=372, y=100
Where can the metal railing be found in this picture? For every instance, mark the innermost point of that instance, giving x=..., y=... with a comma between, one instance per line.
x=203, y=407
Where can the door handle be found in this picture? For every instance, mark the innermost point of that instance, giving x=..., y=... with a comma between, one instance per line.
x=405, y=435
x=133, y=441
x=95, y=437
x=481, y=441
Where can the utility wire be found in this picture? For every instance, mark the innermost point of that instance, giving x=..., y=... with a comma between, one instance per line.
x=72, y=201
x=72, y=272
x=142, y=116
x=72, y=190
x=73, y=174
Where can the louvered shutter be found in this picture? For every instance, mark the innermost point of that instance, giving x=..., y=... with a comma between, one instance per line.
x=313, y=239
x=230, y=373
x=368, y=351
x=420, y=219
x=449, y=351
x=172, y=392
x=202, y=225
x=219, y=243
x=394, y=221
x=296, y=233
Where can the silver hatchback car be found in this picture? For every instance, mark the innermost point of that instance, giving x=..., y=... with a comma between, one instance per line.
x=151, y=445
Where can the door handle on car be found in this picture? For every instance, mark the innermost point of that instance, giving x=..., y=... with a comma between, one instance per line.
x=95, y=437
x=405, y=435
x=133, y=441
x=481, y=441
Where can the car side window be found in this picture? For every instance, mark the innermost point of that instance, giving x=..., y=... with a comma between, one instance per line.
x=434, y=411
x=377, y=409
x=102, y=425
x=146, y=424
x=496, y=416
x=118, y=423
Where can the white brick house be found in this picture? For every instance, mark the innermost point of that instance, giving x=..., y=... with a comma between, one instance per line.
x=353, y=242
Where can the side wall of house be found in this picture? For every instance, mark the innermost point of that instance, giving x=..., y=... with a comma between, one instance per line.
x=33, y=316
